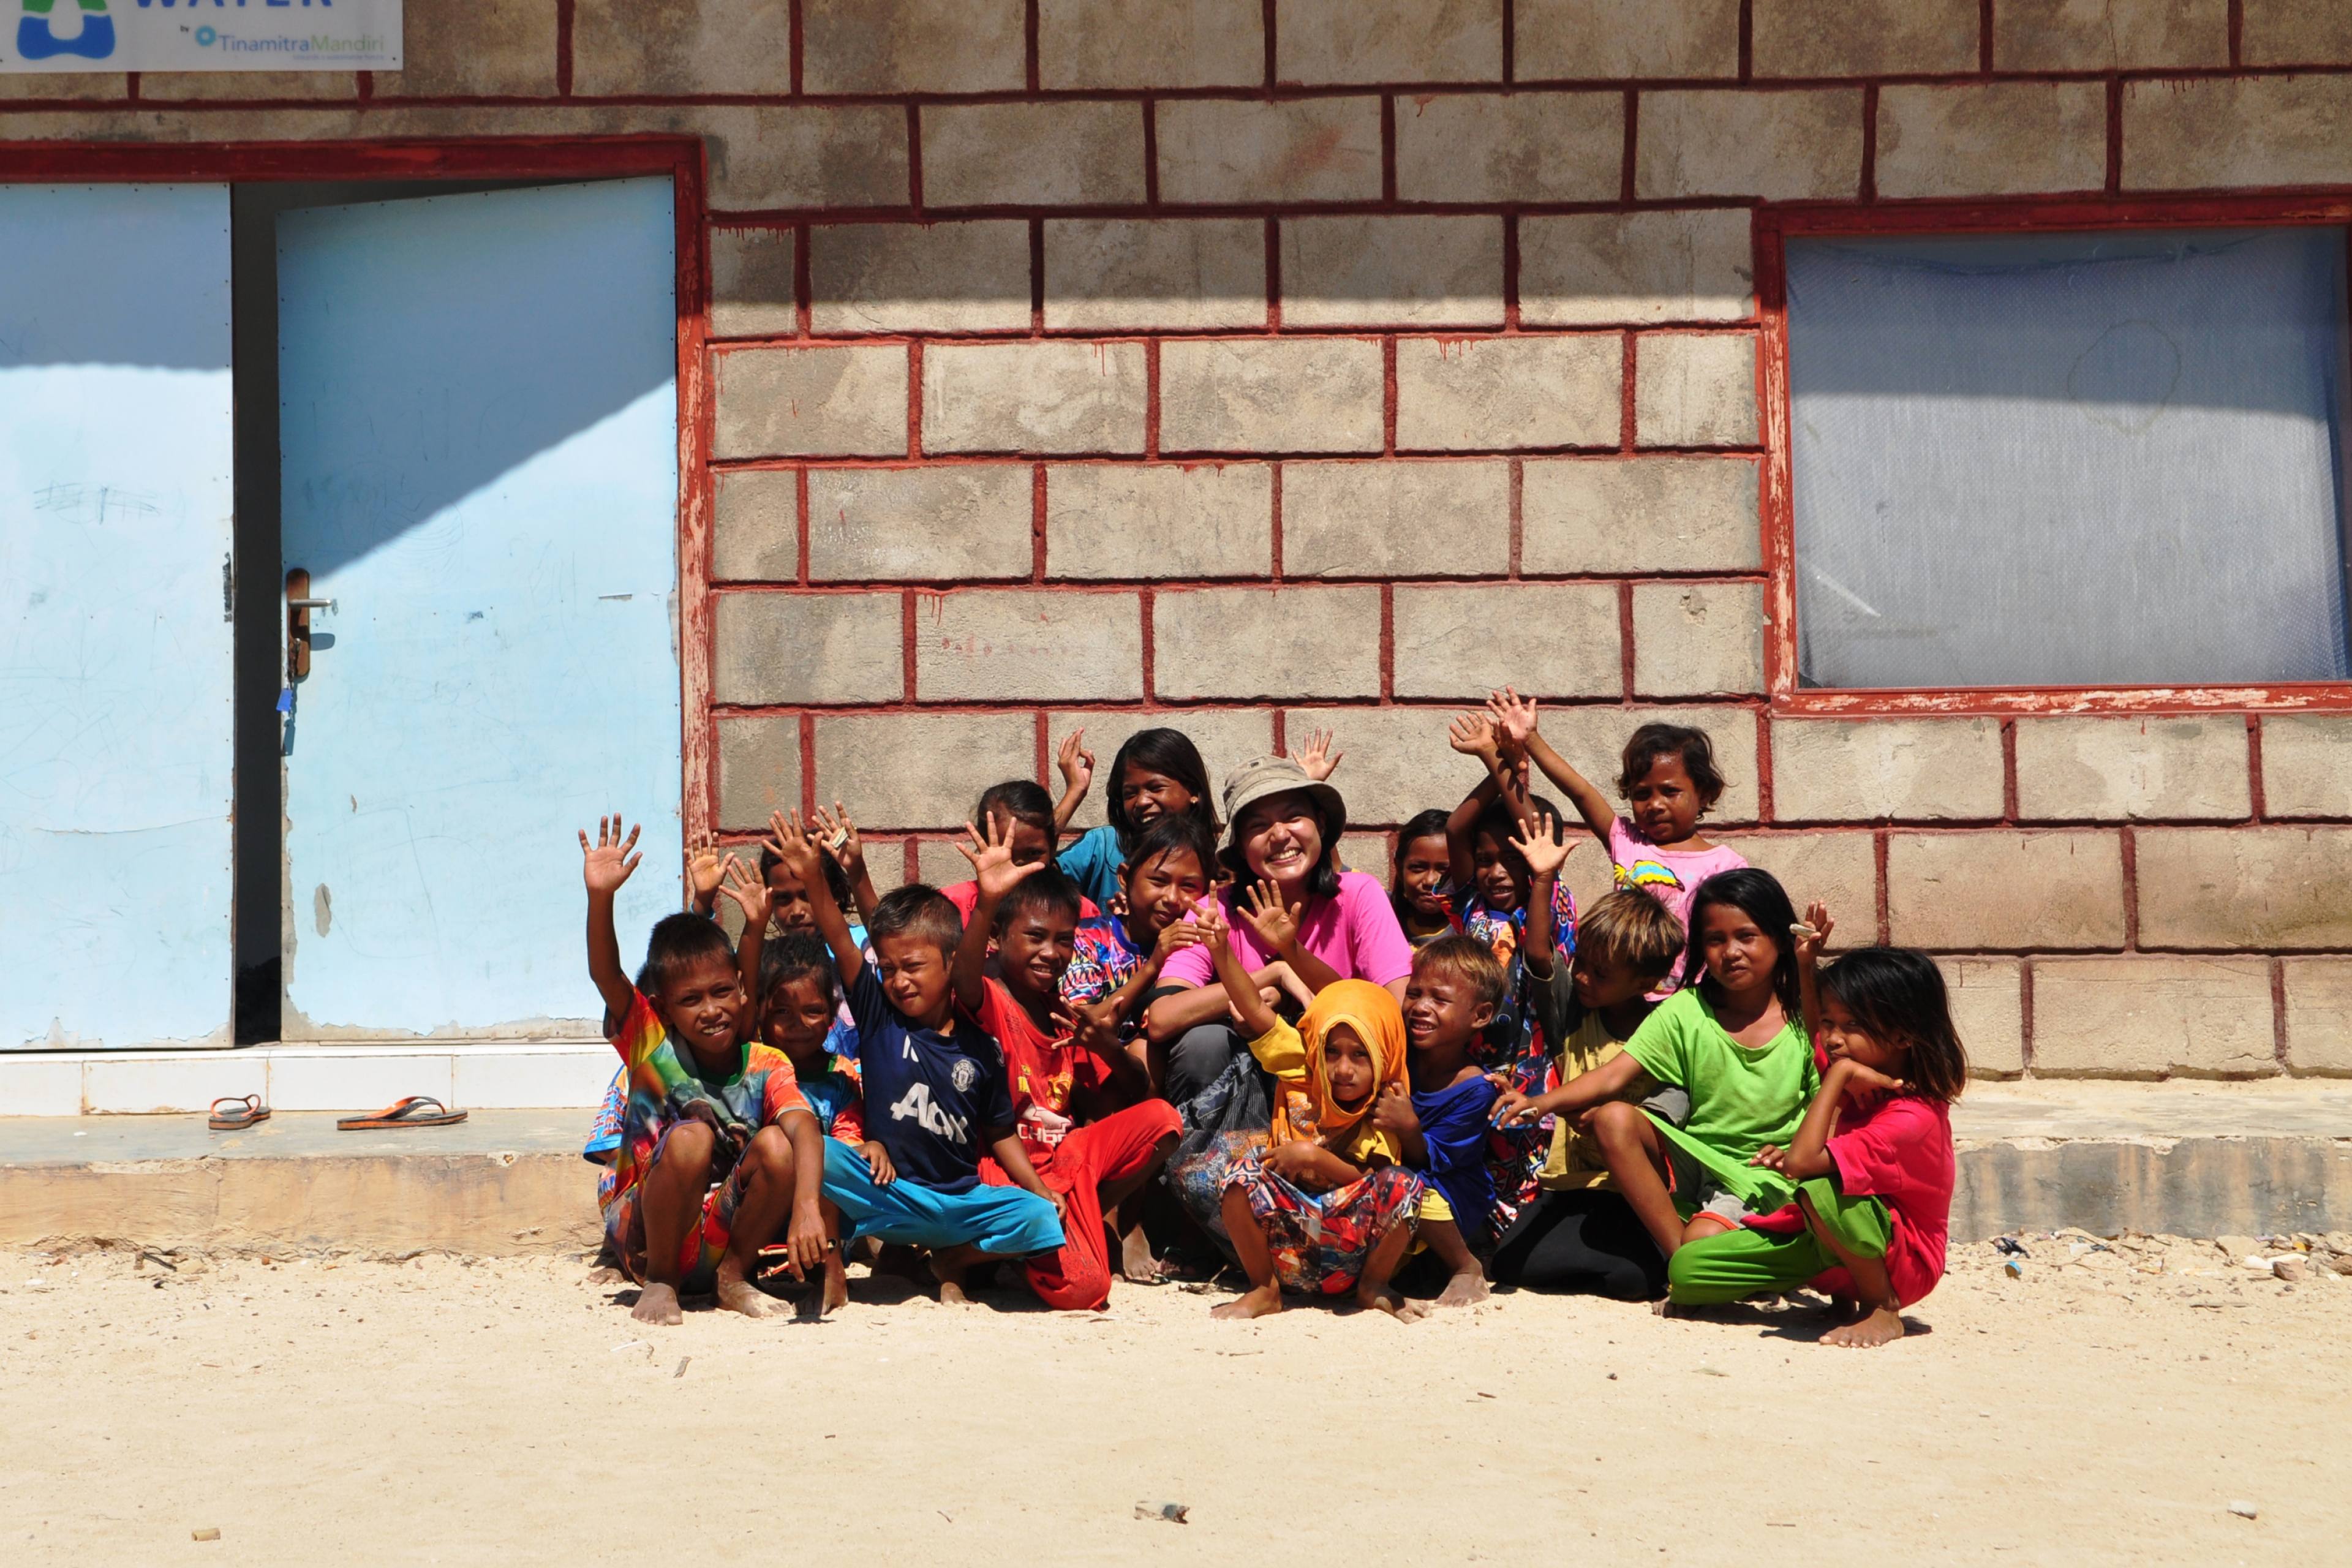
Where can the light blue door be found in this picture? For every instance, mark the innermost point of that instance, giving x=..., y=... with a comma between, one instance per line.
x=117, y=724
x=479, y=457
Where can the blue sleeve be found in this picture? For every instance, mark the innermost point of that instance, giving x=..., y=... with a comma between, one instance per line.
x=1093, y=864
x=994, y=1101
x=869, y=1005
x=1454, y=1125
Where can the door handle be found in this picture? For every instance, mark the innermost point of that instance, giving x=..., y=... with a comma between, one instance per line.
x=298, y=605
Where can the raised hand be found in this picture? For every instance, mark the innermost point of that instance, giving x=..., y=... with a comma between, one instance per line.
x=1077, y=764
x=750, y=891
x=1175, y=937
x=1393, y=1112
x=704, y=866
x=991, y=861
x=1209, y=927
x=1544, y=856
x=835, y=827
x=1317, y=756
x=607, y=863
x=1473, y=735
x=1813, y=933
x=797, y=849
x=1514, y=717
x=1276, y=927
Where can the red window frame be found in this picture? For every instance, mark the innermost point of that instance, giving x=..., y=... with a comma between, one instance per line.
x=680, y=158
x=1773, y=226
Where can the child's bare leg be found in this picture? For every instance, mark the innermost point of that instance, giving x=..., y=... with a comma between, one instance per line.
x=670, y=1200
x=948, y=1268
x=1629, y=1141
x=1468, y=1286
x=1135, y=1260
x=1263, y=1297
x=1878, y=1315
x=837, y=1271
x=1372, y=1287
x=759, y=1219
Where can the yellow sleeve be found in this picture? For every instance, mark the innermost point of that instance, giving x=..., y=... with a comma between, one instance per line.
x=1281, y=1052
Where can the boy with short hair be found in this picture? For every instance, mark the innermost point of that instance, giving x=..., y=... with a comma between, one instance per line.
x=1441, y=1122
x=1032, y=912
x=717, y=1145
x=936, y=1094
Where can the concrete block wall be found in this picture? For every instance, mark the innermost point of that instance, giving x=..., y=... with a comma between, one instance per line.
x=1261, y=365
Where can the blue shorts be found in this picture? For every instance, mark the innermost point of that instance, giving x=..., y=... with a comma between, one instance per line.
x=1008, y=1222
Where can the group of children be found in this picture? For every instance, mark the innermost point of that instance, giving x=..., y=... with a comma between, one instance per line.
x=1192, y=1039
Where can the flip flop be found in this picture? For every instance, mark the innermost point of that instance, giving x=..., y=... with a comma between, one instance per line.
x=409, y=1112
x=245, y=1110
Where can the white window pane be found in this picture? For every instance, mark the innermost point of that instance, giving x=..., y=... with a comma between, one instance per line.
x=2069, y=460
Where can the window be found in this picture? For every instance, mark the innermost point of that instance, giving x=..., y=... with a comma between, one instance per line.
x=2068, y=459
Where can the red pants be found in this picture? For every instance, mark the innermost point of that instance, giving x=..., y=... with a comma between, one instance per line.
x=1115, y=1149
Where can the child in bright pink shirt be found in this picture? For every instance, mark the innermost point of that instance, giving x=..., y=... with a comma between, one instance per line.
x=1872, y=1159
x=1668, y=778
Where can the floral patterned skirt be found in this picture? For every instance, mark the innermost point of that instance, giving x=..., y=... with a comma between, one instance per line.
x=1321, y=1241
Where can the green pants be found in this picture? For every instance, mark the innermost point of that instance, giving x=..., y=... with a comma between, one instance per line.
x=1735, y=1264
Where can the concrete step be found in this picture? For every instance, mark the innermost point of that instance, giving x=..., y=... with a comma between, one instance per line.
x=2183, y=1159
x=475, y=1074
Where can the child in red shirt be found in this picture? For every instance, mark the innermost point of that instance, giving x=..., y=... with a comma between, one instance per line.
x=1030, y=912
x=1872, y=1158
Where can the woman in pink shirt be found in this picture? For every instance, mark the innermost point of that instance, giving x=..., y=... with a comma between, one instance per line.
x=1295, y=916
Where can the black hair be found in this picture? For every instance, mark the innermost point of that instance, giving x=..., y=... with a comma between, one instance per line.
x=836, y=880
x=1323, y=883
x=1047, y=890
x=1429, y=823
x=1170, y=752
x=1759, y=895
x=1696, y=753
x=1469, y=959
x=797, y=955
x=1178, y=832
x=917, y=909
x=1897, y=995
x=1499, y=819
x=1024, y=801
x=678, y=943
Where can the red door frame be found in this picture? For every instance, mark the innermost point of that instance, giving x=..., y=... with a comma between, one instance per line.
x=680, y=158
x=1773, y=226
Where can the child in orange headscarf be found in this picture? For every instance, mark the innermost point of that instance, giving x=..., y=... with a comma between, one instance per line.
x=1325, y=1207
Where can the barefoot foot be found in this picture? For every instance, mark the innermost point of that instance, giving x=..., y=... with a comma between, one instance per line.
x=1385, y=1299
x=1465, y=1290
x=1262, y=1302
x=836, y=1283
x=737, y=1294
x=1136, y=1264
x=657, y=1304
x=1881, y=1325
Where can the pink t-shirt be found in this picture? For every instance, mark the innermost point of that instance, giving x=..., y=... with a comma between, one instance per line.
x=1670, y=876
x=1356, y=934
x=1896, y=1148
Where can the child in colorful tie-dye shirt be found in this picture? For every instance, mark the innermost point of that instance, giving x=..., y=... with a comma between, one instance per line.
x=719, y=1149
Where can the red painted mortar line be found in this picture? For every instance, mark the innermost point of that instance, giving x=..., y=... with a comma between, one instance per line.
x=1510, y=272
x=1880, y=841
x=1510, y=40
x=1764, y=803
x=799, y=48
x=1625, y=425
x=1029, y=44
x=1625, y=638
x=914, y=399
x=803, y=288
x=808, y=764
x=2255, y=794
x=1388, y=148
x=2237, y=33
x=1984, y=38
x=1746, y=41
x=1868, y=188
x=914, y=158
x=1519, y=472
x=1266, y=22
x=1273, y=269
x=1633, y=142
x=1388, y=644
x=801, y=513
x=1275, y=485
x=1388, y=394
x=1037, y=275
x=2025, y=1008
x=565, y=11
x=1150, y=154
x=2115, y=177
x=2009, y=770
x=2131, y=887
x=1044, y=746
x=1145, y=605
x=907, y=634
x=1038, y=523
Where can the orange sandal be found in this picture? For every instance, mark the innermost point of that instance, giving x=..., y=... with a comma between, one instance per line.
x=409, y=1112
x=245, y=1110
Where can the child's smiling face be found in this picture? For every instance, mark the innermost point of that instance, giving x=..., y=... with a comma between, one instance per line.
x=1027, y=839
x=1163, y=890
x=1663, y=803
x=1348, y=1066
x=1147, y=797
x=1421, y=867
x=1501, y=875
x=797, y=1016
x=1442, y=1010
x=702, y=1005
x=1033, y=946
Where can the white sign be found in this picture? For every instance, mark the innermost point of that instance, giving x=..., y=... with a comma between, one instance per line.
x=200, y=35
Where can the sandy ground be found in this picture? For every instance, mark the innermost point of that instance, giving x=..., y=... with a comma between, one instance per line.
x=2110, y=1405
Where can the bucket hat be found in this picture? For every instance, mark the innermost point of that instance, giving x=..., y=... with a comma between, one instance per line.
x=1263, y=776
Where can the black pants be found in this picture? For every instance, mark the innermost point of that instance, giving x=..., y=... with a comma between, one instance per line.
x=1584, y=1242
